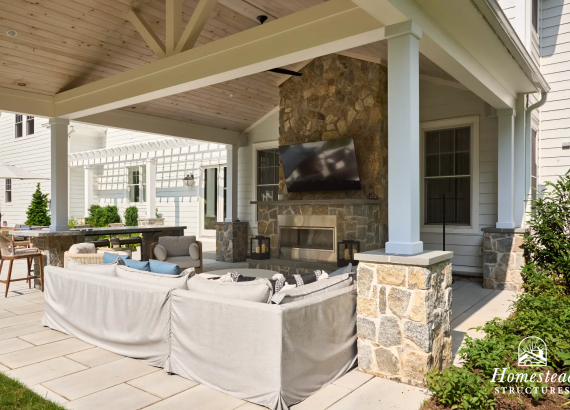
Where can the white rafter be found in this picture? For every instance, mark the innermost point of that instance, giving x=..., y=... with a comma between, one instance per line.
x=147, y=33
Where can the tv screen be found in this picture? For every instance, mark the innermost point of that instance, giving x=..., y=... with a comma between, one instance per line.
x=320, y=166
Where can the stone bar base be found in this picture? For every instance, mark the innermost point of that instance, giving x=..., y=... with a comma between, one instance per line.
x=503, y=258
x=404, y=314
x=231, y=241
x=53, y=248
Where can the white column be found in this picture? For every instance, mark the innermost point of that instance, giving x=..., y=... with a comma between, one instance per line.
x=521, y=166
x=505, y=197
x=88, y=189
x=403, y=139
x=232, y=183
x=59, y=174
x=151, y=188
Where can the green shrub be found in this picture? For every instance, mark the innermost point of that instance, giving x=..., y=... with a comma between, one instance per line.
x=547, y=246
x=458, y=388
x=72, y=222
x=101, y=217
x=132, y=216
x=38, y=213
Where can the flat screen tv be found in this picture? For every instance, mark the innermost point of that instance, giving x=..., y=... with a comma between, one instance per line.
x=320, y=166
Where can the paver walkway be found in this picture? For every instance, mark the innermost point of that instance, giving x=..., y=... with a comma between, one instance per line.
x=81, y=376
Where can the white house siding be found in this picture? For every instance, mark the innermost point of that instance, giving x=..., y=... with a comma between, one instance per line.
x=509, y=7
x=81, y=139
x=30, y=152
x=116, y=137
x=553, y=161
x=439, y=102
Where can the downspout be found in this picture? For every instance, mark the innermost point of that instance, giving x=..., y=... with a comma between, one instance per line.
x=528, y=142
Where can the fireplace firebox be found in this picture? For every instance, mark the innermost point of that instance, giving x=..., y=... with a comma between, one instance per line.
x=310, y=238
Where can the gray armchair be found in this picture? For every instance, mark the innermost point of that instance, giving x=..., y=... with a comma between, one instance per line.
x=176, y=249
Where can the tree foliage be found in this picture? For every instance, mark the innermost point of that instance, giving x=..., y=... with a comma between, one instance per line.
x=100, y=216
x=132, y=216
x=38, y=212
x=547, y=245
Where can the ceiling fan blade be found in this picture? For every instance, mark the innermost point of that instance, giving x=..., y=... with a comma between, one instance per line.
x=285, y=71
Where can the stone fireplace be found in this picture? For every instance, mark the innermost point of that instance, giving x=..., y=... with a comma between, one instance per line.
x=336, y=97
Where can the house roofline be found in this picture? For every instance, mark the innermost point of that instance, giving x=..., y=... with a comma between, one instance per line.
x=496, y=18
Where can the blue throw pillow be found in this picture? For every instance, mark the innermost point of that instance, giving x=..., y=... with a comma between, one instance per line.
x=164, y=267
x=109, y=257
x=131, y=263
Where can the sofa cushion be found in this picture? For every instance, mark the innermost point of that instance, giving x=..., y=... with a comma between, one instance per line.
x=258, y=290
x=183, y=261
x=164, y=268
x=160, y=252
x=109, y=257
x=83, y=248
x=139, y=265
x=177, y=245
x=109, y=269
x=194, y=251
x=312, y=289
x=172, y=281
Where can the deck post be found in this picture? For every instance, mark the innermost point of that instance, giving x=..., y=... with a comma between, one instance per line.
x=403, y=139
x=59, y=174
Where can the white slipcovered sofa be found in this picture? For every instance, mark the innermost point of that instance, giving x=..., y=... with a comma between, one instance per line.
x=269, y=354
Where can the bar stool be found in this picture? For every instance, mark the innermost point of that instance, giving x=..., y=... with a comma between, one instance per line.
x=11, y=251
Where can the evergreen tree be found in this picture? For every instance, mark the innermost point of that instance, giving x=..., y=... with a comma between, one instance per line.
x=38, y=213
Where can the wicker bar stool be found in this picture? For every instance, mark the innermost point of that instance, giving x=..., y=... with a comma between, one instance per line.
x=11, y=250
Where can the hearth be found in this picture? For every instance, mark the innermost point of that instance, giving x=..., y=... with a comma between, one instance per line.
x=310, y=238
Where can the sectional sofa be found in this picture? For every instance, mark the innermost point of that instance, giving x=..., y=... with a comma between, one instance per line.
x=274, y=355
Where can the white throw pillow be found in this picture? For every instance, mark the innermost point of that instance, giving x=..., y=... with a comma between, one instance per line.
x=160, y=252
x=258, y=290
x=171, y=281
x=109, y=269
x=194, y=251
x=83, y=248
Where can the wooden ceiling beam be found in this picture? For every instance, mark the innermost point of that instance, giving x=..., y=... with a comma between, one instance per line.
x=173, y=24
x=327, y=28
x=147, y=33
x=195, y=25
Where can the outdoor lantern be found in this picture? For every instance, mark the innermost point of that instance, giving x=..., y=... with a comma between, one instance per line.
x=346, y=251
x=188, y=180
x=260, y=247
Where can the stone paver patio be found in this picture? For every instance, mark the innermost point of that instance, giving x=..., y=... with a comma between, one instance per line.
x=81, y=376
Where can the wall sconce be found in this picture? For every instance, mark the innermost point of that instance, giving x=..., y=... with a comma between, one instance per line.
x=188, y=180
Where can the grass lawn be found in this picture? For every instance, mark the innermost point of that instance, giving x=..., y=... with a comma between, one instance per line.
x=14, y=395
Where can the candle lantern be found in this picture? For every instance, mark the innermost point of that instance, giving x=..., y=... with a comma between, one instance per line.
x=260, y=247
x=346, y=251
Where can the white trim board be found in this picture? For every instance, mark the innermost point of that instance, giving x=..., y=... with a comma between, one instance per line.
x=473, y=122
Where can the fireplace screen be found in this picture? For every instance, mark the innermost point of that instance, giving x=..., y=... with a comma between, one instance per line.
x=307, y=238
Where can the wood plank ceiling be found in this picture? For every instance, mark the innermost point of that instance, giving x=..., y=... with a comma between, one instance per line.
x=63, y=44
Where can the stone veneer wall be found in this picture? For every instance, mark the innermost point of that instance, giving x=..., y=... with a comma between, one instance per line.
x=503, y=260
x=403, y=323
x=364, y=223
x=339, y=97
x=231, y=241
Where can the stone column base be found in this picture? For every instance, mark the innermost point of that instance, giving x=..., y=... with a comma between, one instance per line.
x=231, y=241
x=404, y=314
x=503, y=258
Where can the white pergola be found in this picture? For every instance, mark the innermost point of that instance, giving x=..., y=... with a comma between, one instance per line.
x=470, y=40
